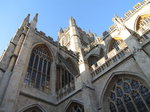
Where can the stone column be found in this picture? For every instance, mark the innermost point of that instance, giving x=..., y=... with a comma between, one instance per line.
x=89, y=99
x=142, y=59
x=53, y=79
x=88, y=91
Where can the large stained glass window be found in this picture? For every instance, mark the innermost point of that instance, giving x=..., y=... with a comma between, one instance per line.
x=129, y=95
x=38, y=73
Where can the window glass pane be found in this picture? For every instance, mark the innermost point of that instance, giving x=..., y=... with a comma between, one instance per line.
x=33, y=78
x=119, y=82
x=36, y=62
x=113, y=96
x=63, y=78
x=138, y=101
x=146, y=94
x=120, y=105
x=134, y=84
x=112, y=108
x=28, y=75
x=43, y=82
x=119, y=92
x=40, y=65
x=129, y=104
x=48, y=69
x=126, y=88
x=38, y=80
x=31, y=59
x=44, y=68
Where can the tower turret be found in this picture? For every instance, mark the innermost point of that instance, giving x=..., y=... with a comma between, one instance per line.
x=34, y=21
x=60, y=32
x=74, y=36
x=25, y=21
x=90, y=34
x=72, y=22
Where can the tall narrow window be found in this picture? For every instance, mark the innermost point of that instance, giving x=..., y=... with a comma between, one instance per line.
x=65, y=82
x=64, y=78
x=38, y=73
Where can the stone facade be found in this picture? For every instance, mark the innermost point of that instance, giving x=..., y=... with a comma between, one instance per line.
x=79, y=73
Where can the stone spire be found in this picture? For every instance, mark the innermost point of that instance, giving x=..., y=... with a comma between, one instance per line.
x=72, y=22
x=90, y=34
x=35, y=17
x=25, y=21
x=118, y=22
x=59, y=33
x=34, y=21
x=120, y=25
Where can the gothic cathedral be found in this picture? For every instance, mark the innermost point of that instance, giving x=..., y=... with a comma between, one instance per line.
x=81, y=72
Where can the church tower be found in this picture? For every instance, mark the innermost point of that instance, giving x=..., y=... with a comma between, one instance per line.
x=79, y=73
x=74, y=38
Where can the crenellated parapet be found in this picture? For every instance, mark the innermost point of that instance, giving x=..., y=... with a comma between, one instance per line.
x=127, y=16
x=136, y=8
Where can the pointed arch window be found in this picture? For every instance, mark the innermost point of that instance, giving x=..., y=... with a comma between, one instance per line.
x=92, y=60
x=64, y=79
x=38, y=72
x=114, y=44
x=143, y=21
x=33, y=109
x=71, y=66
x=127, y=94
x=75, y=107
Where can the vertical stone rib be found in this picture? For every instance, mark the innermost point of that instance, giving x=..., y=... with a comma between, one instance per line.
x=5, y=80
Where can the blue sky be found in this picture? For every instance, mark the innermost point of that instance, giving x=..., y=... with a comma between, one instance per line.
x=95, y=15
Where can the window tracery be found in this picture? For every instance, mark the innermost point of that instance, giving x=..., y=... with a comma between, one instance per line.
x=115, y=44
x=129, y=95
x=72, y=66
x=64, y=78
x=143, y=21
x=33, y=109
x=38, y=72
x=75, y=107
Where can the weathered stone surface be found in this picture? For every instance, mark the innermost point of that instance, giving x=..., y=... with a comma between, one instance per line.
x=124, y=51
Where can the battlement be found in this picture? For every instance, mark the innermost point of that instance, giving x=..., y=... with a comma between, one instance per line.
x=127, y=15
